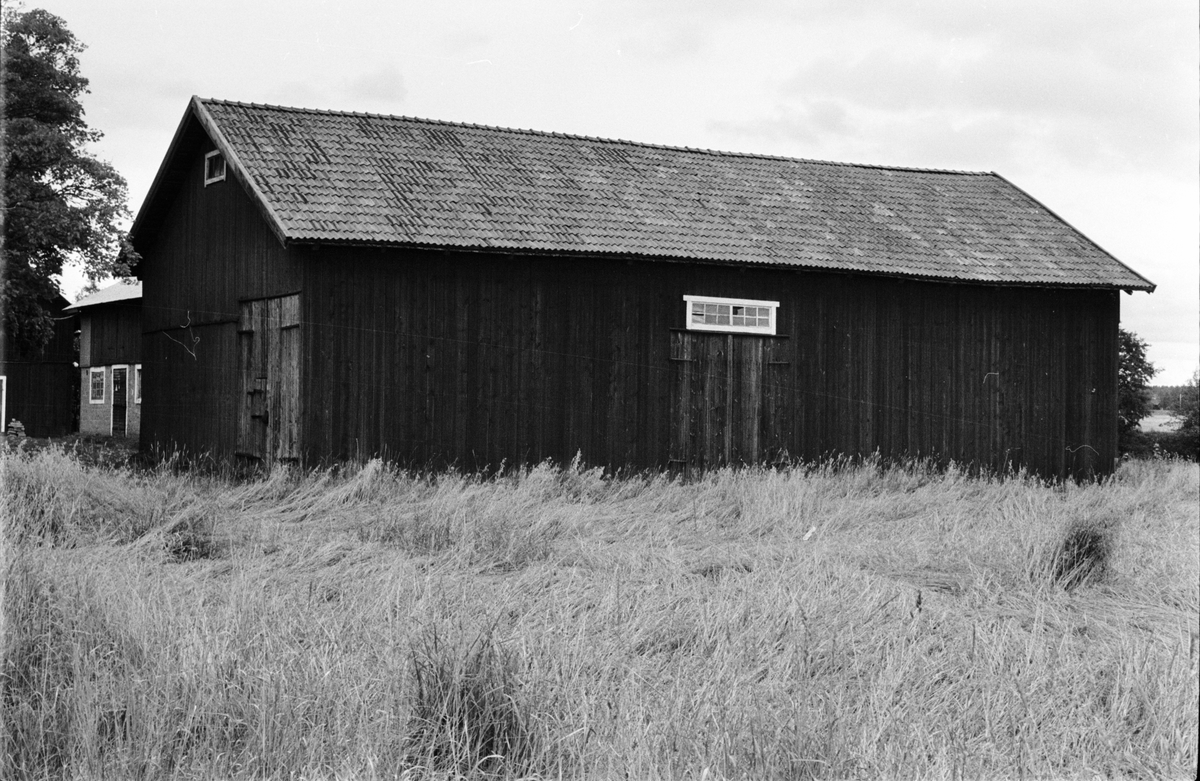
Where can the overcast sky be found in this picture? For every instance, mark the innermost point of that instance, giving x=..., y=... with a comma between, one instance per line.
x=1092, y=106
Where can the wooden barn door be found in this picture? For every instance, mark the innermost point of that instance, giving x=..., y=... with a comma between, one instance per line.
x=120, y=400
x=269, y=355
x=728, y=401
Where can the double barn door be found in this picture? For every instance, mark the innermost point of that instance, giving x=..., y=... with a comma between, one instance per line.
x=728, y=399
x=269, y=356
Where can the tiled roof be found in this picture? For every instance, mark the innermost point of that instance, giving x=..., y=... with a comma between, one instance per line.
x=123, y=290
x=348, y=177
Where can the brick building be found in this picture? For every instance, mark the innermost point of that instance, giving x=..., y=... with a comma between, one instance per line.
x=110, y=364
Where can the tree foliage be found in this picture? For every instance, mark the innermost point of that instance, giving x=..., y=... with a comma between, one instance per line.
x=60, y=203
x=1133, y=376
x=1188, y=410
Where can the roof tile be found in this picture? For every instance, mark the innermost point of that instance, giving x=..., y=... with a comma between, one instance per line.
x=351, y=177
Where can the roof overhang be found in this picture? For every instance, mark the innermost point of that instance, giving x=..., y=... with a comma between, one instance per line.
x=194, y=128
x=119, y=293
x=517, y=252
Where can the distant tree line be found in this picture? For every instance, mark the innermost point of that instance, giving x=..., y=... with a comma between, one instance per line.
x=1168, y=397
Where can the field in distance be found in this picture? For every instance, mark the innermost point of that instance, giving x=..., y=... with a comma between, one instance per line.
x=844, y=621
x=1159, y=420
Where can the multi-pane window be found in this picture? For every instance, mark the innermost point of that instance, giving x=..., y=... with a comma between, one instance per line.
x=708, y=313
x=214, y=168
x=96, y=383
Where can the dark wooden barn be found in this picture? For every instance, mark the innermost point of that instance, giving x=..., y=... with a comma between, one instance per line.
x=322, y=285
x=110, y=363
x=38, y=387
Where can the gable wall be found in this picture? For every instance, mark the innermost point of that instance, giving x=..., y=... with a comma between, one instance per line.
x=435, y=357
x=211, y=249
x=110, y=334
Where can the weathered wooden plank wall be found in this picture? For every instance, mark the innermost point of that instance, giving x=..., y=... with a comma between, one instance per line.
x=481, y=358
x=186, y=403
x=42, y=386
x=478, y=359
x=113, y=335
x=268, y=426
x=43, y=396
x=211, y=249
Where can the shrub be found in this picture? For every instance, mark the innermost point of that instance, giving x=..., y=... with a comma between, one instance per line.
x=1184, y=443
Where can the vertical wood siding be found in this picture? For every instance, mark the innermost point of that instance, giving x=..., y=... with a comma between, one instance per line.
x=110, y=335
x=269, y=386
x=474, y=359
x=185, y=402
x=43, y=385
x=211, y=250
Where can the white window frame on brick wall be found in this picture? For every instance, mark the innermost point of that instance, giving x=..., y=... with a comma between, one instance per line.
x=211, y=176
x=137, y=383
x=727, y=313
x=92, y=372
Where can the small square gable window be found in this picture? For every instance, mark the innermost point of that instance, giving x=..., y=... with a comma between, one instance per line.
x=731, y=315
x=214, y=167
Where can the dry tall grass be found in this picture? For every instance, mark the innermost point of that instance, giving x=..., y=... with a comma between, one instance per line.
x=847, y=621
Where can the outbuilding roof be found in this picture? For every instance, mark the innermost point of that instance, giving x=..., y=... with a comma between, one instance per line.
x=123, y=290
x=342, y=177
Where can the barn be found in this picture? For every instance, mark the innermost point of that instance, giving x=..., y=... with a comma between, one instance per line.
x=326, y=285
x=110, y=364
x=38, y=386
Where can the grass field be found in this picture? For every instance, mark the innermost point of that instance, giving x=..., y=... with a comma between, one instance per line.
x=838, y=622
x=1159, y=420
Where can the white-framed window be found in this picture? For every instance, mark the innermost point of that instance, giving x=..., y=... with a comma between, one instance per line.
x=137, y=383
x=96, y=385
x=214, y=167
x=731, y=315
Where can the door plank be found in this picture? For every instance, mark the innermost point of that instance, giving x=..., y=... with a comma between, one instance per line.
x=728, y=399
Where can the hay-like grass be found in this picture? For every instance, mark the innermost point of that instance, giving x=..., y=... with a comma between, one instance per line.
x=835, y=621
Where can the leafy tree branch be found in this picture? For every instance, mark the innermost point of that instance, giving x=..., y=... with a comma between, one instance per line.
x=61, y=204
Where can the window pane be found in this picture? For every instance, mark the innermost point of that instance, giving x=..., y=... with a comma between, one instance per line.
x=716, y=315
x=216, y=167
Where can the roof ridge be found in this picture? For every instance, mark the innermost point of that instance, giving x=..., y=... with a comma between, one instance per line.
x=581, y=137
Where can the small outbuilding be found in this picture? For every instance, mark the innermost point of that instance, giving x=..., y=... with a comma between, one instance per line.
x=38, y=386
x=110, y=362
x=327, y=285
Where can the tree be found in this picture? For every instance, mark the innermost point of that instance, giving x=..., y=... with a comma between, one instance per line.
x=1188, y=411
x=60, y=203
x=1133, y=375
